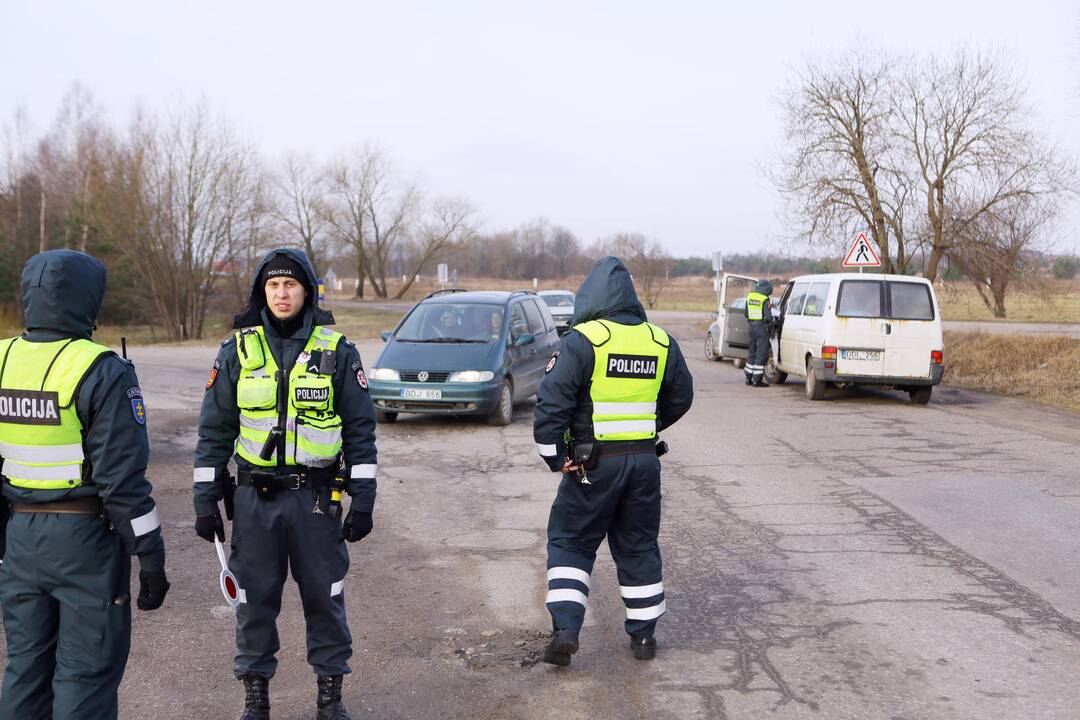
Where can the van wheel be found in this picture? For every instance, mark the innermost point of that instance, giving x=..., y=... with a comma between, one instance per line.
x=815, y=389
x=710, y=348
x=503, y=412
x=773, y=374
x=385, y=417
x=921, y=395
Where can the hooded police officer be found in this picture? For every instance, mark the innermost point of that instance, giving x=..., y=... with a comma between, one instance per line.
x=760, y=319
x=614, y=383
x=290, y=398
x=74, y=450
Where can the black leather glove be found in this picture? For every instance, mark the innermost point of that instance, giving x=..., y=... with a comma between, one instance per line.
x=554, y=462
x=357, y=525
x=207, y=526
x=152, y=589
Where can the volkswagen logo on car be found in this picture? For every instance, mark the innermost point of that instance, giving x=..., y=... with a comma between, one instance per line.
x=422, y=376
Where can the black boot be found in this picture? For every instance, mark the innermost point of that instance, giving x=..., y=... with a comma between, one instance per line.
x=328, y=703
x=759, y=381
x=749, y=379
x=644, y=646
x=256, y=697
x=564, y=643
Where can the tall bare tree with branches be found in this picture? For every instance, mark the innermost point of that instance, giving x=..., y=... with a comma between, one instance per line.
x=840, y=172
x=303, y=206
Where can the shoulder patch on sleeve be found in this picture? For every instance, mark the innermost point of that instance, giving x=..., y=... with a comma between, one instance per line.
x=213, y=374
x=551, y=363
x=361, y=379
x=357, y=365
x=138, y=409
x=134, y=392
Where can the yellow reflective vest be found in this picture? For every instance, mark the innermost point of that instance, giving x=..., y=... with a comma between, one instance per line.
x=41, y=436
x=628, y=369
x=303, y=401
x=756, y=303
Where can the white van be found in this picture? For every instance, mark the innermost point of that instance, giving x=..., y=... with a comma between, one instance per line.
x=848, y=329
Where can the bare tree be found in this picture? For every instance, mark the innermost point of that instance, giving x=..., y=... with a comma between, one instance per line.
x=646, y=259
x=447, y=223
x=841, y=172
x=375, y=212
x=177, y=190
x=565, y=248
x=964, y=123
x=994, y=245
x=304, y=208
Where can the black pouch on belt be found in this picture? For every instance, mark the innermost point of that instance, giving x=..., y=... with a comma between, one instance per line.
x=585, y=454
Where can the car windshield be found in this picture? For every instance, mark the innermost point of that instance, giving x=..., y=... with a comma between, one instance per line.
x=559, y=300
x=441, y=322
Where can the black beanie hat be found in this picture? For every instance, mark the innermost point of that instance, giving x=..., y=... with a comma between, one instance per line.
x=282, y=265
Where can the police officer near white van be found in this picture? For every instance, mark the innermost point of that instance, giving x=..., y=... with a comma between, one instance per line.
x=614, y=383
x=760, y=319
x=289, y=396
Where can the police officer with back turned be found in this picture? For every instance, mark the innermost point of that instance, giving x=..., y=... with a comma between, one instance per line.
x=74, y=450
x=614, y=383
x=290, y=398
x=760, y=319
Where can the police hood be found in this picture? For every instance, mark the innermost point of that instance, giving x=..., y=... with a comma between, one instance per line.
x=62, y=290
x=608, y=292
x=252, y=315
x=764, y=287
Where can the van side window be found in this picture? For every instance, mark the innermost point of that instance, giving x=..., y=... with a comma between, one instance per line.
x=518, y=325
x=798, y=297
x=815, y=299
x=910, y=301
x=859, y=299
x=536, y=320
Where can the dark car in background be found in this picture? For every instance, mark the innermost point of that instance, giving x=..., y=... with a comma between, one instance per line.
x=561, y=305
x=464, y=353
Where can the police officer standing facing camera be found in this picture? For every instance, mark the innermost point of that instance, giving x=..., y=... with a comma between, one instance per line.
x=74, y=450
x=290, y=398
x=614, y=383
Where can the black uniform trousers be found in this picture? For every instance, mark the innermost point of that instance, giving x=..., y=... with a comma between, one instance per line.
x=64, y=585
x=271, y=536
x=621, y=502
x=759, y=349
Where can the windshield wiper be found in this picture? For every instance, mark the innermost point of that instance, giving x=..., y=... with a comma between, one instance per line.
x=442, y=340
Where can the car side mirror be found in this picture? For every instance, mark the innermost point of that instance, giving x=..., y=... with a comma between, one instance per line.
x=386, y=335
x=524, y=339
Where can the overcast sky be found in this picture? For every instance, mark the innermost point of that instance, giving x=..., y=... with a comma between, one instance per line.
x=601, y=116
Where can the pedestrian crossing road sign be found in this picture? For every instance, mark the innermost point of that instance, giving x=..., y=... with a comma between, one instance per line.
x=862, y=253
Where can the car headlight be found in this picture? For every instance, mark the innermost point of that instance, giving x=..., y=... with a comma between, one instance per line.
x=471, y=376
x=385, y=375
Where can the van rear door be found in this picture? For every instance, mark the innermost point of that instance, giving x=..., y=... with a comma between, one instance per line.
x=734, y=340
x=911, y=329
x=860, y=328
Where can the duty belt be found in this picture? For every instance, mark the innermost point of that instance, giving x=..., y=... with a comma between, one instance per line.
x=268, y=481
x=625, y=447
x=76, y=506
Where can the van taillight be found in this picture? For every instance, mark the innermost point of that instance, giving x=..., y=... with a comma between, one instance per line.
x=828, y=352
x=937, y=357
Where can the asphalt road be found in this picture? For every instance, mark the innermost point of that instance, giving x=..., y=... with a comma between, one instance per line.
x=854, y=558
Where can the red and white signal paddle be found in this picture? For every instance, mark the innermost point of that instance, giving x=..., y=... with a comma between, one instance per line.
x=229, y=587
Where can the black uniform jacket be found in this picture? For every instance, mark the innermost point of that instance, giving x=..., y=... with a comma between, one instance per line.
x=219, y=419
x=563, y=403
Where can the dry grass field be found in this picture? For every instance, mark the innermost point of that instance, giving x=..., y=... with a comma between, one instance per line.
x=1045, y=369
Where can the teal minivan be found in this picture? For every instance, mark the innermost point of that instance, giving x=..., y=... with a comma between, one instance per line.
x=464, y=353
